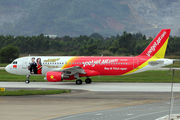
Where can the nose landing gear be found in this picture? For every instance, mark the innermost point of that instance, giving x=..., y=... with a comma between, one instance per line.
x=27, y=81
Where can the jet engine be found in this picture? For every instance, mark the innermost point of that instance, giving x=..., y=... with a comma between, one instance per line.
x=56, y=76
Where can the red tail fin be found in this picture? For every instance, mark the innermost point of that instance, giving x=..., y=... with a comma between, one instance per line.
x=158, y=46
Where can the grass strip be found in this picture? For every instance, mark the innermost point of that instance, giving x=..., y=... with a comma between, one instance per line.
x=3, y=64
x=32, y=92
x=175, y=64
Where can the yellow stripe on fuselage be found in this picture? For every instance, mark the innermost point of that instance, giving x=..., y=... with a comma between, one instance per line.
x=70, y=60
x=158, y=55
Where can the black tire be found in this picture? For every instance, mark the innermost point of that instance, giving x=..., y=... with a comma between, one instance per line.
x=78, y=82
x=27, y=81
x=88, y=81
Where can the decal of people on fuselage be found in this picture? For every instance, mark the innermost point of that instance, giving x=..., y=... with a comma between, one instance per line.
x=35, y=67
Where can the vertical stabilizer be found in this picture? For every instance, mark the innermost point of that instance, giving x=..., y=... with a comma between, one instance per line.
x=157, y=47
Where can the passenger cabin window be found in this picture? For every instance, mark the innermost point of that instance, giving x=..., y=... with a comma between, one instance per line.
x=14, y=62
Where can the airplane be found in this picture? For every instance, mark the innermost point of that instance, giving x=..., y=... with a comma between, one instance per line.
x=59, y=68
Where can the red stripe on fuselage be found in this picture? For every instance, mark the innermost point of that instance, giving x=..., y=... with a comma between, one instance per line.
x=107, y=65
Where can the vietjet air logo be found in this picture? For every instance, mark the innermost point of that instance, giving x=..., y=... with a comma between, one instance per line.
x=156, y=43
x=100, y=61
x=52, y=60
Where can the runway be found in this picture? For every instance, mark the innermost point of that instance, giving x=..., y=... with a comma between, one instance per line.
x=89, y=105
x=96, y=101
x=97, y=86
x=2, y=68
x=152, y=111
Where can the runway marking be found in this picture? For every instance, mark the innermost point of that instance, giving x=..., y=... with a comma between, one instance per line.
x=130, y=114
x=146, y=114
x=94, y=110
x=85, y=111
x=161, y=117
x=99, y=114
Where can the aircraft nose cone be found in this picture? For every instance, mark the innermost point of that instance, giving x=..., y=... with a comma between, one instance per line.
x=6, y=68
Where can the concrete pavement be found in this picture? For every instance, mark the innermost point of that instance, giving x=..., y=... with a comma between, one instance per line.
x=97, y=86
x=152, y=111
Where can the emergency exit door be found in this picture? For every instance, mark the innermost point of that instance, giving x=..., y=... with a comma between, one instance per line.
x=25, y=63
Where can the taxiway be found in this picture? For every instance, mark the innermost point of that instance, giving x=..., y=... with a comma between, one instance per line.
x=97, y=86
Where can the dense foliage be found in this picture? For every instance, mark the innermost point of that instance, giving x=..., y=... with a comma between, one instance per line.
x=95, y=44
x=9, y=53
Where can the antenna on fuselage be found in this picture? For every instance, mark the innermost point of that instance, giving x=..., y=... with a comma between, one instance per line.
x=29, y=55
x=101, y=55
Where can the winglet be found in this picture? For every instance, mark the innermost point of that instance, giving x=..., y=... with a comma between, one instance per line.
x=157, y=47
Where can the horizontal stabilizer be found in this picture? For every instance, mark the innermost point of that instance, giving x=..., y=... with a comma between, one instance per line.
x=153, y=63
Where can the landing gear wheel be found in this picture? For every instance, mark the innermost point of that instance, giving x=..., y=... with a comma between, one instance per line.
x=27, y=81
x=78, y=82
x=88, y=81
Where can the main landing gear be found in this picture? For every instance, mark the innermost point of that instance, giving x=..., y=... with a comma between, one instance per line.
x=79, y=81
x=27, y=81
x=88, y=81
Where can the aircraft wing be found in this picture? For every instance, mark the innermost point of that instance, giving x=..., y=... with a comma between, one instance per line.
x=70, y=70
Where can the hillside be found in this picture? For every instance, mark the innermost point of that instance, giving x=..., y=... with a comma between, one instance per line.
x=70, y=17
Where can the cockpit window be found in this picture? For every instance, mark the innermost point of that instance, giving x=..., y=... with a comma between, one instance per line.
x=14, y=62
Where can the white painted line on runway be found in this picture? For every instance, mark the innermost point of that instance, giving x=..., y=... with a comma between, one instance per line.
x=162, y=117
x=99, y=114
x=147, y=114
x=130, y=114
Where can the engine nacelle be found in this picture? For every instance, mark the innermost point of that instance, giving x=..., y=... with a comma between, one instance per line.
x=55, y=76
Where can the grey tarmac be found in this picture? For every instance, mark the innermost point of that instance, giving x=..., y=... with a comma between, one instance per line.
x=151, y=111
x=90, y=101
x=2, y=68
x=97, y=86
x=84, y=104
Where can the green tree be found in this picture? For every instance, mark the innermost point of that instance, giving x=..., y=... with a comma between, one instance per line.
x=9, y=53
x=96, y=36
x=92, y=49
x=122, y=50
x=113, y=49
